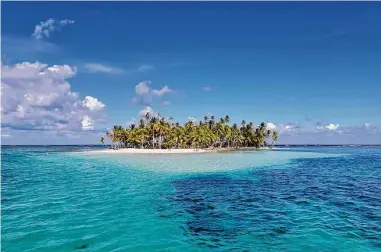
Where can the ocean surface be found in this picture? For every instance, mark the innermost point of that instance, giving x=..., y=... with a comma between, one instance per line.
x=64, y=198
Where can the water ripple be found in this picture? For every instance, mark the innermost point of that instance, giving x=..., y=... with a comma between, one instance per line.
x=287, y=200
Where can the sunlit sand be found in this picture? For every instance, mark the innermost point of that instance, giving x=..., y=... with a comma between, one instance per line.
x=169, y=151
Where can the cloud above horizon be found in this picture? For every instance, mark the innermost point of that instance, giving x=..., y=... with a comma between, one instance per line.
x=100, y=68
x=284, y=129
x=107, y=69
x=144, y=68
x=145, y=94
x=332, y=126
x=326, y=133
x=192, y=119
x=36, y=96
x=148, y=110
x=45, y=28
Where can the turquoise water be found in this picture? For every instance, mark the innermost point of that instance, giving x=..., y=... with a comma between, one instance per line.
x=299, y=199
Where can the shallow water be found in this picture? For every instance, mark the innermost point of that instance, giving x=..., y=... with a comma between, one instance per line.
x=297, y=199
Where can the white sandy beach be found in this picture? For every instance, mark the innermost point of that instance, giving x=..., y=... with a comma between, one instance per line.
x=150, y=151
x=167, y=151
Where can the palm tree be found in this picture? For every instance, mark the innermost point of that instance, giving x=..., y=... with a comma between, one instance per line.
x=154, y=127
x=102, y=140
x=274, y=137
x=227, y=119
x=158, y=132
x=141, y=123
x=147, y=116
x=227, y=134
x=142, y=135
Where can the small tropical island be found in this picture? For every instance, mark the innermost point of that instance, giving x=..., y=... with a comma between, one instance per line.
x=157, y=134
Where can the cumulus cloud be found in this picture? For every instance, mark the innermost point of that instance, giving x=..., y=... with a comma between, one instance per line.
x=193, y=119
x=287, y=129
x=207, y=89
x=145, y=95
x=45, y=28
x=148, y=110
x=100, y=68
x=142, y=88
x=326, y=133
x=332, y=126
x=93, y=104
x=36, y=96
x=323, y=126
x=160, y=92
x=270, y=126
x=28, y=70
x=87, y=123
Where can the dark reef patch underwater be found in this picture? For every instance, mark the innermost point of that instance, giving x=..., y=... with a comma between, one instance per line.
x=337, y=197
x=67, y=201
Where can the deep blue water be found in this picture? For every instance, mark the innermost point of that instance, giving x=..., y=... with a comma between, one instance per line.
x=59, y=198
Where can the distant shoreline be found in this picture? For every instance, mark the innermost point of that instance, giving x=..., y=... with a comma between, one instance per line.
x=171, y=151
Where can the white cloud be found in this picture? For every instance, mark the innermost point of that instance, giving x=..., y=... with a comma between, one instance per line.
x=146, y=110
x=289, y=129
x=142, y=88
x=270, y=126
x=144, y=68
x=46, y=27
x=87, y=123
x=66, y=22
x=132, y=121
x=164, y=90
x=27, y=70
x=166, y=103
x=100, y=68
x=207, y=89
x=36, y=96
x=145, y=95
x=332, y=126
x=193, y=119
x=92, y=103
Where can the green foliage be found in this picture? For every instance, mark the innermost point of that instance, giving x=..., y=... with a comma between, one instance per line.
x=159, y=133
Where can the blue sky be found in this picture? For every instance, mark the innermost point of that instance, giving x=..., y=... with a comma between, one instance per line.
x=311, y=70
